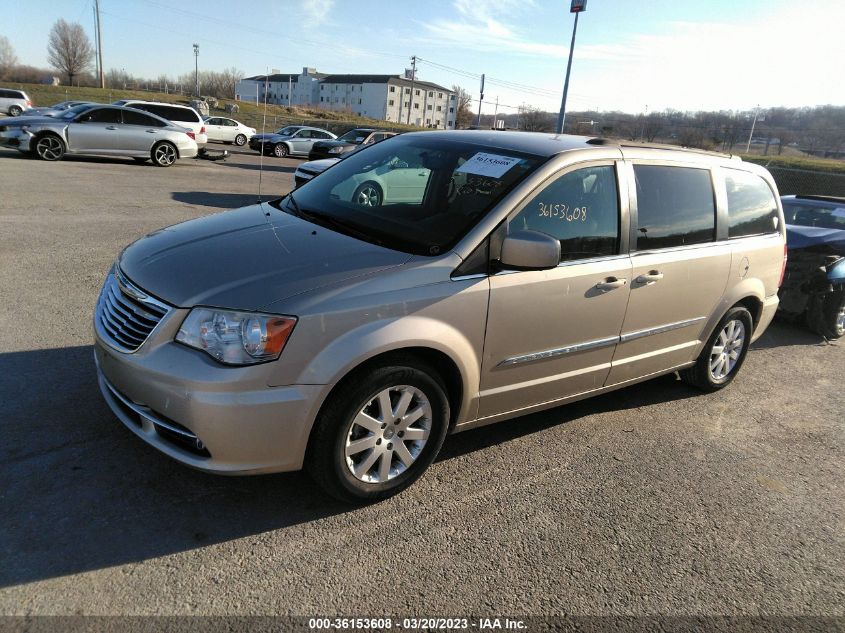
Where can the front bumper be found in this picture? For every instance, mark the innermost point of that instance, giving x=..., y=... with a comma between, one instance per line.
x=15, y=138
x=208, y=416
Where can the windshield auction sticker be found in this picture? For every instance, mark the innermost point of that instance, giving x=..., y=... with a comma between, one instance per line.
x=492, y=165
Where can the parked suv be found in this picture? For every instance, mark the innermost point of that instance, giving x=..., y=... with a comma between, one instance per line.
x=14, y=102
x=182, y=115
x=501, y=274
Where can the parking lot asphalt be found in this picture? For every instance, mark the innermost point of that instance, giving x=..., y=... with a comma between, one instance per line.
x=652, y=500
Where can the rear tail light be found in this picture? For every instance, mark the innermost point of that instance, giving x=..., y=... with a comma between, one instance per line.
x=191, y=135
x=783, y=267
x=202, y=130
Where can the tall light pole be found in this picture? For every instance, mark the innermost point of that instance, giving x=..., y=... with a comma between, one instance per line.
x=480, y=101
x=197, y=67
x=753, y=124
x=576, y=7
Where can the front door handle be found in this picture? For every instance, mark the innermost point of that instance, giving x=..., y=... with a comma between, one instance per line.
x=151, y=131
x=650, y=277
x=111, y=127
x=610, y=283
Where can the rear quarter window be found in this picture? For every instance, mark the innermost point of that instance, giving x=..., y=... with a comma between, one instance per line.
x=752, y=208
x=675, y=206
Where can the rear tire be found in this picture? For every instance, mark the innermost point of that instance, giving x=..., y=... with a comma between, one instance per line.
x=240, y=140
x=826, y=315
x=49, y=147
x=15, y=111
x=723, y=354
x=164, y=154
x=387, y=459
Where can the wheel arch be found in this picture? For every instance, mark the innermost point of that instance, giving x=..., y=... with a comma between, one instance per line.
x=749, y=294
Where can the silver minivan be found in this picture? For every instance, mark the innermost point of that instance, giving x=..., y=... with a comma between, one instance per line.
x=14, y=102
x=432, y=283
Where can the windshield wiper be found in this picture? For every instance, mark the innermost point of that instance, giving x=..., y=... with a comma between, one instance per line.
x=341, y=226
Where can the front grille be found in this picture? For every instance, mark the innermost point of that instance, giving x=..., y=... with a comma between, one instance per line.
x=125, y=314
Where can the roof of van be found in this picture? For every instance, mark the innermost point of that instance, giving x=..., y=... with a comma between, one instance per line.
x=545, y=144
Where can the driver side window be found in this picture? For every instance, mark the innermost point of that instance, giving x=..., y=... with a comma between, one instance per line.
x=579, y=208
x=101, y=115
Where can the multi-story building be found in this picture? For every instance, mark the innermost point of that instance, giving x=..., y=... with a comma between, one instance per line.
x=387, y=97
x=301, y=89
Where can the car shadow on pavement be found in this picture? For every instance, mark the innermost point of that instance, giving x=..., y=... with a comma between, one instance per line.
x=268, y=166
x=783, y=333
x=213, y=199
x=81, y=492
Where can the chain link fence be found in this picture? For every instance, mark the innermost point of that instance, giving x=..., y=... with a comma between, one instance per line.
x=804, y=181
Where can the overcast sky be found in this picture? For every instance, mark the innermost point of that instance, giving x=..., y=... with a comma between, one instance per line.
x=630, y=55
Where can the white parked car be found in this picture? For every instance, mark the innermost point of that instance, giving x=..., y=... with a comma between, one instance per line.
x=396, y=181
x=181, y=115
x=225, y=130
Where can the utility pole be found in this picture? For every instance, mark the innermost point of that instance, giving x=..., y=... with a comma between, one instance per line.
x=197, y=68
x=496, y=112
x=480, y=101
x=751, y=134
x=576, y=7
x=100, y=72
x=413, y=79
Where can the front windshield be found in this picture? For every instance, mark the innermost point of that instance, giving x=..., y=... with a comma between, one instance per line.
x=287, y=131
x=820, y=217
x=64, y=105
x=411, y=193
x=354, y=136
x=71, y=113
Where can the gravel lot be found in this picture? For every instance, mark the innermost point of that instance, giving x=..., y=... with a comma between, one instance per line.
x=652, y=500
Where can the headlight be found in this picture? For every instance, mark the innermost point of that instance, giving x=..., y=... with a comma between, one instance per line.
x=236, y=338
x=336, y=150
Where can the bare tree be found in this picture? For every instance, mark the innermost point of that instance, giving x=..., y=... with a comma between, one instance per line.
x=535, y=120
x=463, y=116
x=8, y=59
x=69, y=50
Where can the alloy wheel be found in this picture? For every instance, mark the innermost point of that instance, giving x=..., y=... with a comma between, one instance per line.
x=839, y=323
x=727, y=349
x=49, y=148
x=165, y=154
x=368, y=196
x=388, y=434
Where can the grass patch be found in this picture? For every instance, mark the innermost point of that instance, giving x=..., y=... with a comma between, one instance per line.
x=828, y=165
x=249, y=114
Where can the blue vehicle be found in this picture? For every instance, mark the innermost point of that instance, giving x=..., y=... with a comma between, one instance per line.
x=814, y=284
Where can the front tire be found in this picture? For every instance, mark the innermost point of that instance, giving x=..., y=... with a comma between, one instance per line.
x=280, y=150
x=49, y=147
x=164, y=154
x=379, y=432
x=240, y=140
x=724, y=353
x=15, y=111
x=368, y=194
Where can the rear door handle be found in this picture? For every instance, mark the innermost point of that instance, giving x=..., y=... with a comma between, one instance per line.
x=151, y=131
x=649, y=278
x=111, y=127
x=610, y=283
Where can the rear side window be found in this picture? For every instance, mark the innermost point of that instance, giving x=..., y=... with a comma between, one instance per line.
x=752, y=208
x=136, y=118
x=581, y=209
x=675, y=206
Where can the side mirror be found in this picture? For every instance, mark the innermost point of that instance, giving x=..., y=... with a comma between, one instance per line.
x=530, y=250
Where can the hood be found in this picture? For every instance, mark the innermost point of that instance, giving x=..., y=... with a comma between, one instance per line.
x=334, y=143
x=813, y=236
x=244, y=259
x=267, y=137
x=319, y=165
x=27, y=120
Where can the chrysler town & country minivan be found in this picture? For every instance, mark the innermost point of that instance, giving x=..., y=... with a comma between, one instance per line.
x=349, y=326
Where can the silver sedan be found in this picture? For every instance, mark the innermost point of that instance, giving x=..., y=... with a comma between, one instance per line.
x=101, y=130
